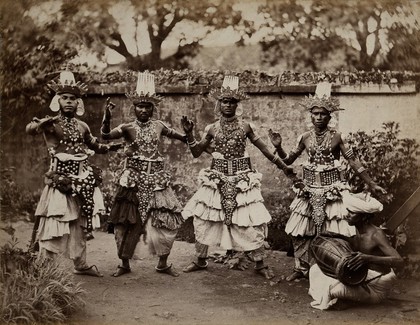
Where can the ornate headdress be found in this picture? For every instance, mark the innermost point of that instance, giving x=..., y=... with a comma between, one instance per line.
x=229, y=89
x=322, y=98
x=145, y=90
x=67, y=84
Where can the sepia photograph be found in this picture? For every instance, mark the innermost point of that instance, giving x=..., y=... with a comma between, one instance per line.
x=210, y=162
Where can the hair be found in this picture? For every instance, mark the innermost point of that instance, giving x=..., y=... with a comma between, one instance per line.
x=366, y=217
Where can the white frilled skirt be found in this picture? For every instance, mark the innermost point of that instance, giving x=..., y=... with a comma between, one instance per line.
x=301, y=223
x=57, y=210
x=249, y=220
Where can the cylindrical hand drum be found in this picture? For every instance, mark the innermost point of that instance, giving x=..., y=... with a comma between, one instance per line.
x=332, y=256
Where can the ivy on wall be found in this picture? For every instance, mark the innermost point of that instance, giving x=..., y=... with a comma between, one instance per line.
x=252, y=79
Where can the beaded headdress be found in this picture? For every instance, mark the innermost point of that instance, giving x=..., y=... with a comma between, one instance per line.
x=145, y=90
x=322, y=98
x=67, y=84
x=229, y=89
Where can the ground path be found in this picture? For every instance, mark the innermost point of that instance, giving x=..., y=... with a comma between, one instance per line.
x=214, y=296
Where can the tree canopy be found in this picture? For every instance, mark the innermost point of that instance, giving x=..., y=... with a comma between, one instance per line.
x=365, y=34
x=29, y=53
x=39, y=36
x=137, y=29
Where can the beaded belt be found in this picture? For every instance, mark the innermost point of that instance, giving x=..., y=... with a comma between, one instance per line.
x=321, y=178
x=147, y=166
x=230, y=167
x=73, y=167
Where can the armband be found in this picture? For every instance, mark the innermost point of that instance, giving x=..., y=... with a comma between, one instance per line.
x=349, y=154
x=275, y=159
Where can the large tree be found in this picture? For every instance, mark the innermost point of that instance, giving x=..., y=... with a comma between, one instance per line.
x=98, y=26
x=39, y=36
x=307, y=33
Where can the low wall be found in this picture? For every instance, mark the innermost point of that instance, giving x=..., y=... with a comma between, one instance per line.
x=366, y=108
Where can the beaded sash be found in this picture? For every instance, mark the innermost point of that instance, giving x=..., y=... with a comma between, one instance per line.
x=75, y=176
x=227, y=186
x=231, y=167
x=147, y=178
x=318, y=184
x=147, y=166
x=71, y=167
x=321, y=178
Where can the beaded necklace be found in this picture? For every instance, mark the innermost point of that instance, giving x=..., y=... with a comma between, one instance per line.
x=230, y=138
x=72, y=137
x=319, y=143
x=146, y=140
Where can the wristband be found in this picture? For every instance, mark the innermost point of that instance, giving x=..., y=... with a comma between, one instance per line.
x=192, y=143
x=361, y=170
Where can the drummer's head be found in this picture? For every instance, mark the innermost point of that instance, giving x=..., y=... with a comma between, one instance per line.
x=359, y=218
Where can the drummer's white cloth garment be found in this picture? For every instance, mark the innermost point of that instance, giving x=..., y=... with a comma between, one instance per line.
x=326, y=290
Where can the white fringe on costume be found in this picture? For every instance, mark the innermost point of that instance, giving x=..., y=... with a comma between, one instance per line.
x=326, y=290
x=57, y=210
x=300, y=222
x=249, y=219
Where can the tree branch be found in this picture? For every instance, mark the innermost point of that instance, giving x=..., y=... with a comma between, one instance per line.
x=165, y=31
x=121, y=48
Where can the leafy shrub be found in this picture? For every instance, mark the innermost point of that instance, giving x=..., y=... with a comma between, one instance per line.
x=15, y=201
x=278, y=202
x=392, y=163
x=35, y=292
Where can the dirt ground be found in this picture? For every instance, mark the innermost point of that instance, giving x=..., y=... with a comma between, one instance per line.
x=217, y=295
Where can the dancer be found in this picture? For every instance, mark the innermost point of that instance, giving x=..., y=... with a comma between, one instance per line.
x=228, y=208
x=68, y=209
x=321, y=205
x=144, y=202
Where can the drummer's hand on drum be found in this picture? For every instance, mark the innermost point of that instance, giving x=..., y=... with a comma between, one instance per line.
x=357, y=260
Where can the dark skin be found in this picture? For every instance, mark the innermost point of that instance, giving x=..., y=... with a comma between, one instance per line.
x=53, y=134
x=228, y=108
x=320, y=118
x=68, y=106
x=143, y=112
x=372, y=245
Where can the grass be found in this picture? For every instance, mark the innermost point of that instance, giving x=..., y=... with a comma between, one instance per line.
x=36, y=292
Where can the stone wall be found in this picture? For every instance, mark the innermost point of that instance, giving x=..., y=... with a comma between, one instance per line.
x=366, y=108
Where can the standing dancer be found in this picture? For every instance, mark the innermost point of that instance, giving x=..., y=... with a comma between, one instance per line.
x=68, y=207
x=144, y=202
x=321, y=205
x=228, y=208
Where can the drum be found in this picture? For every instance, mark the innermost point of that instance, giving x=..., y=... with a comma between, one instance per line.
x=332, y=256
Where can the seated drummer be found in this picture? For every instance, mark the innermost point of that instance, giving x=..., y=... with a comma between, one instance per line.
x=371, y=247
